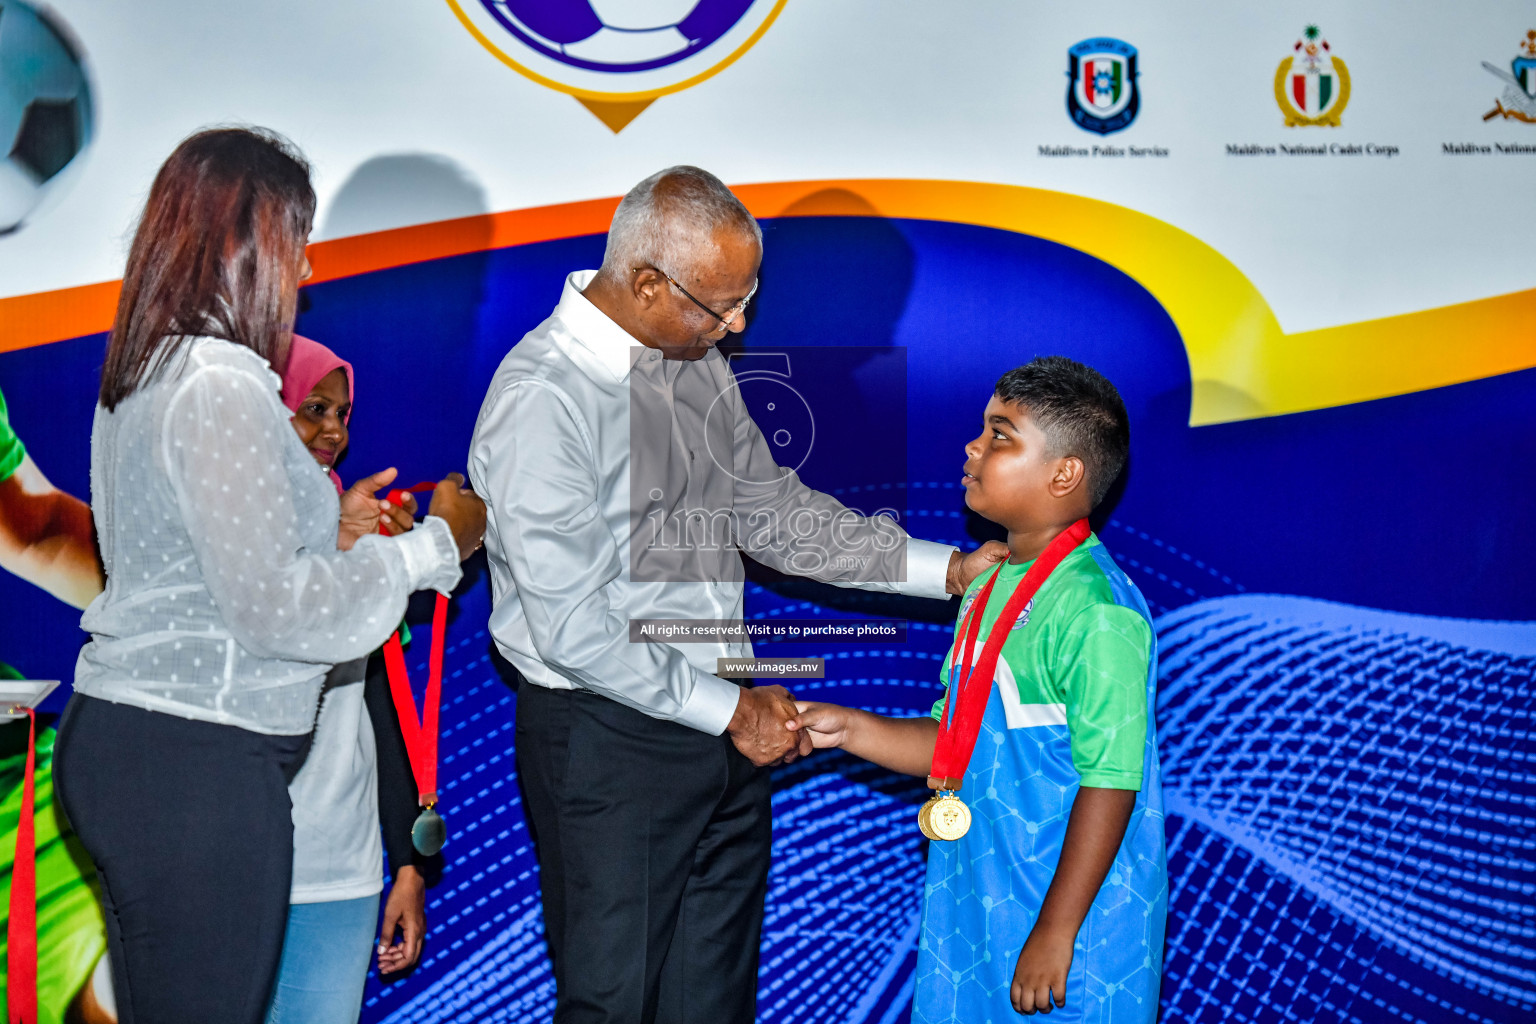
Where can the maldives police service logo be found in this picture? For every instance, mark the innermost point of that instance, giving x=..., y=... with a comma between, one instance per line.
x=1102, y=96
x=1312, y=84
x=617, y=56
x=1519, y=100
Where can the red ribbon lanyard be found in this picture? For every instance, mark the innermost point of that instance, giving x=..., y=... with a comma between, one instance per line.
x=420, y=733
x=965, y=705
x=21, y=929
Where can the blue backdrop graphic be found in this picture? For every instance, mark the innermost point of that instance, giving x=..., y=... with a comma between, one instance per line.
x=1349, y=767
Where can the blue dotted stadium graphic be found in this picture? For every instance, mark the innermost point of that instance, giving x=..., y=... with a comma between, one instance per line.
x=1349, y=802
x=1368, y=779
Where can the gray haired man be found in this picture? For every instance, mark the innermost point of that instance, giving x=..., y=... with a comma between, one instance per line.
x=644, y=772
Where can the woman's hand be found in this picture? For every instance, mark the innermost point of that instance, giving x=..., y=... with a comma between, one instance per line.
x=462, y=510
x=406, y=911
x=361, y=512
x=397, y=519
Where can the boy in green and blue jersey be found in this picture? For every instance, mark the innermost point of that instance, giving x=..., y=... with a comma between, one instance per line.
x=1055, y=899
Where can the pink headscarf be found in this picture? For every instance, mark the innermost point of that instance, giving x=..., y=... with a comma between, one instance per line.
x=308, y=363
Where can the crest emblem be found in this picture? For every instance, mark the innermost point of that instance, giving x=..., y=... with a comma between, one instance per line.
x=1519, y=100
x=1102, y=96
x=616, y=57
x=1312, y=84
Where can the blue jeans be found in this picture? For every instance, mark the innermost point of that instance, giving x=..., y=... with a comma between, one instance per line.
x=325, y=962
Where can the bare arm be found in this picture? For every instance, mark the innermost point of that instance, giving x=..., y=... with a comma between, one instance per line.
x=1094, y=833
x=45, y=537
x=902, y=745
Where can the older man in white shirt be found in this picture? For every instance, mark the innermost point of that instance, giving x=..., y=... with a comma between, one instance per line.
x=625, y=478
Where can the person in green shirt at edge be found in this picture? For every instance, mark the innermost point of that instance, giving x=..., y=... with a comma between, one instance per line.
x=45, y=538
x=1056, y=898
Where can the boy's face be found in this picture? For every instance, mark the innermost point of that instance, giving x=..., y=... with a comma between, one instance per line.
x=1008, y=478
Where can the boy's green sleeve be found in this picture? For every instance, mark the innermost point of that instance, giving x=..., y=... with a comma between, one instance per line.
x=1104, y=676
x=12, y=451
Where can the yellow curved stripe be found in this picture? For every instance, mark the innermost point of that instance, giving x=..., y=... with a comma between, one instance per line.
x=1242, y=365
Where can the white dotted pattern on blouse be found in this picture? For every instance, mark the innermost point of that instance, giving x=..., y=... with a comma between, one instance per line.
x=226, y=599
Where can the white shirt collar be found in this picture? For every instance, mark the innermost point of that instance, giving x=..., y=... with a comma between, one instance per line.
x=591, y=328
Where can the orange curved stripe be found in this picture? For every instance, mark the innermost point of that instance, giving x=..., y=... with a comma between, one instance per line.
x=43, y=317
x=1242, y=364
x=381, y=250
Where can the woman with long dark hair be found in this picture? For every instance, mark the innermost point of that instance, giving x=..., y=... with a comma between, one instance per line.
x=235, y=581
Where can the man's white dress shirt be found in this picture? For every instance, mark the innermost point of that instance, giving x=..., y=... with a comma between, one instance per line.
x=595, y=456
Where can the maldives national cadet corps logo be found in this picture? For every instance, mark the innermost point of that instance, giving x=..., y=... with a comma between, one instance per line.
x=1312, y=84
x=1519, y=100
x=617, y=56
x=1102, y=96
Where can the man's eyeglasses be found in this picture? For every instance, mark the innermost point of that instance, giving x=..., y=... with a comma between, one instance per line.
x=730, y=315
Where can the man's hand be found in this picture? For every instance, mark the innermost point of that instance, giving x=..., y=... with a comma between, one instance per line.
x=1042, y=970
x=759, y=727
x=405, y=910
x=463, y=511
x=361, y=512
x=965, y=568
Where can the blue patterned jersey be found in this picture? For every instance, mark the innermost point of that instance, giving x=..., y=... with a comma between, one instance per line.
x=1070, y=705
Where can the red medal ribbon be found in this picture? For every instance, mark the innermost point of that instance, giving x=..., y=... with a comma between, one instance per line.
x=965, y=705
x=420, y=733
x=21, y=928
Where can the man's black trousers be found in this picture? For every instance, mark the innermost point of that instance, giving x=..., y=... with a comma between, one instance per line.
x=653, y=843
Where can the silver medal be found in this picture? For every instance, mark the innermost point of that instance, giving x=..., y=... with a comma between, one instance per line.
x=429, y=833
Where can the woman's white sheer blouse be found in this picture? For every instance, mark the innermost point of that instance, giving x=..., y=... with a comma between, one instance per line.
x=226, y=598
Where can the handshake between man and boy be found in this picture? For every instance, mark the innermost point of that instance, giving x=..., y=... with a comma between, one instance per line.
x=643, y=769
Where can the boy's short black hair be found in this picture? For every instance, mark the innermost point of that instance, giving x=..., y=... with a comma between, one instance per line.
x=1079, y=412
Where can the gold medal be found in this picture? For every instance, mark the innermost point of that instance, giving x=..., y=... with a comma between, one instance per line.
x=949, y=818
x=924, y=818
x=944, y=817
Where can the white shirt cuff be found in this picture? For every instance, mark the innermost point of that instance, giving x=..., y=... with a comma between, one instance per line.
x=927, y=569
x=431, y=556
x=711, y=705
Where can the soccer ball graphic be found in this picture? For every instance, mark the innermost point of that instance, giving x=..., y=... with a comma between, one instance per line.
x=618, y=35
x=45, y=108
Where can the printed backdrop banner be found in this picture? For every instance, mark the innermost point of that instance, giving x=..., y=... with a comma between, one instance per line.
x=1304, y=268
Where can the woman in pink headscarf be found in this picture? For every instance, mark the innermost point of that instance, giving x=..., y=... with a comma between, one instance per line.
x=356, y=775
x=317, y=388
